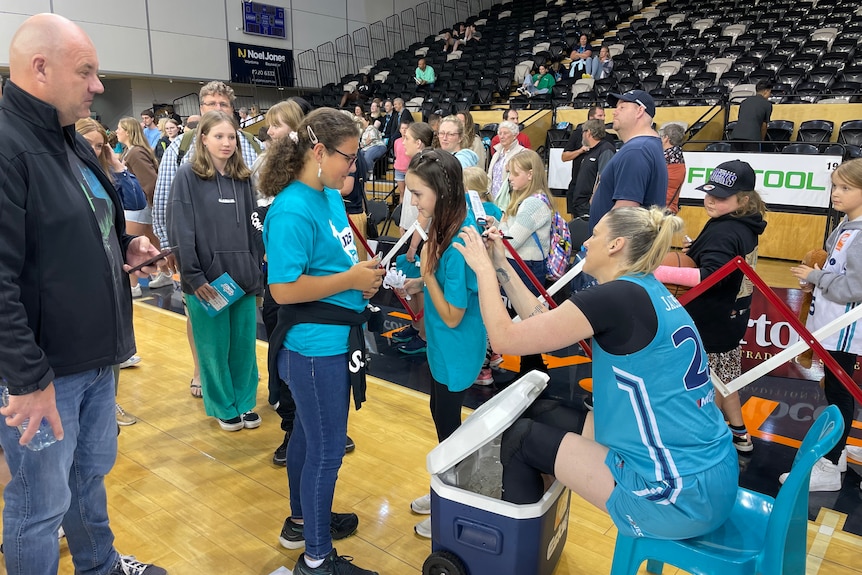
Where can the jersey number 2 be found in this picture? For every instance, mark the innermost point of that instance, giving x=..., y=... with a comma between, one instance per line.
x=697, y=373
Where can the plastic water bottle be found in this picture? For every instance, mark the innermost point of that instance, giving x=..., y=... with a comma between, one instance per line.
x=43, y=438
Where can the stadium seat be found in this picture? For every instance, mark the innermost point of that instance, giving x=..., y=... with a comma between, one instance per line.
x=850, y=132
x=719, y=147
x=800, y=148
x=778, y=131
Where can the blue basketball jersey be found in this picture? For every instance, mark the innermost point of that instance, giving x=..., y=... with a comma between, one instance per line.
x=656, y=407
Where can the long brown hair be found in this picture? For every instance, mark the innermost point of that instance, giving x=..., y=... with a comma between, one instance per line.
x=88, y=125
x=136, y=136
x=286, y=158
x=202, y=164
x=441, y=172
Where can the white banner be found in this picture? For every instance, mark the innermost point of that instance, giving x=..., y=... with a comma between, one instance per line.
x=559, y=172
x=783, y=179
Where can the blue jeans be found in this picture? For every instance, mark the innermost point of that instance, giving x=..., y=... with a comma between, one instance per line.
x=321, y=390
x=64, y=483
x=372, y=154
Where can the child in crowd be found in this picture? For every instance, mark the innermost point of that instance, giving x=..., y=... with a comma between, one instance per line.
x=402, y=160
x=456, y=335
x=721, y=313
x=323, y=288
x=838, y=289
x=209, y=219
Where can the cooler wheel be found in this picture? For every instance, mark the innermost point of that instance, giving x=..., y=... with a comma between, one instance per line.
x=443, y=563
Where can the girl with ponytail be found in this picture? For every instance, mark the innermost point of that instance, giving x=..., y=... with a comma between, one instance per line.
x=655, y=453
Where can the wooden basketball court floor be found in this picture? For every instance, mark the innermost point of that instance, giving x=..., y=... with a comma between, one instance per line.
x=198, y=500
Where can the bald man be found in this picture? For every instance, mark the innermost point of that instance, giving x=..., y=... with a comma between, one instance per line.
x=66, y=306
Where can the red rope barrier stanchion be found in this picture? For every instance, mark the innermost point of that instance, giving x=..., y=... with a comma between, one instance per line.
x=739, y=263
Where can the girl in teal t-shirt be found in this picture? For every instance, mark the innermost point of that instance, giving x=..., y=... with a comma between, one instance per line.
x=453, y=324
x=316, y=276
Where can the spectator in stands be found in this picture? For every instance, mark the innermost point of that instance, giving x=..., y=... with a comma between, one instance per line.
x=254, y=115
x=539, y=83
x=471, y=35
x=170, y=129
x=637, y=175
x=388, y=126
x=434, y=121
x=425, y=75
x=470, y=140
x=151, y=130
x=191, y=123
x=362, y=92
x=498, y=171
x=376, y=114
x=371, y=144
x=598, y=152
x=604, y=66
x=453, y=38
x=358, y=111
x=243, y=117
x=511, y=115
x=451, y=136
x=574, y=149
x=582, y=59
x=400, y=115
x=754, y=114
x=672, y=136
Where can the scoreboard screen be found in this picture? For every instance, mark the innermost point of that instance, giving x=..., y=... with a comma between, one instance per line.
x=263, y=19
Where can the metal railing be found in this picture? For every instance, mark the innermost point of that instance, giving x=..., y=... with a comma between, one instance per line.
x=332, y=60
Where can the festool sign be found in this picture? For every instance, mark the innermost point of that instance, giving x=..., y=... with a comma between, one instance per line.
x=790, y=180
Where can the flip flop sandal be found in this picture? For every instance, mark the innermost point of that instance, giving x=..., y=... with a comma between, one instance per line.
x=195, y=389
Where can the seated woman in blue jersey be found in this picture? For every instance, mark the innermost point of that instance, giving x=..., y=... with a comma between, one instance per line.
x=655, y=452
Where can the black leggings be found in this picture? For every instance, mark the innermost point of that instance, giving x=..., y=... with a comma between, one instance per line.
x=445, y=409
x=530, y=447
x=278, y=390
x=837, y=394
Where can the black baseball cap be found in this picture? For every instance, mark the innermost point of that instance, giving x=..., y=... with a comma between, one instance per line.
x=638, y=97
x=730, y=178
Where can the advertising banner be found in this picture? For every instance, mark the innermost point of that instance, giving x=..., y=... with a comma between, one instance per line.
x=261, y=65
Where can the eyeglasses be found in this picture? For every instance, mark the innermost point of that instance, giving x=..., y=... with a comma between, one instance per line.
x=449, y=134
x=351, y=158
x=213, y=104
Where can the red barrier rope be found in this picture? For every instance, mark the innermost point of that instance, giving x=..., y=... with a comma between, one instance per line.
x=738, y=263
x=541, y=288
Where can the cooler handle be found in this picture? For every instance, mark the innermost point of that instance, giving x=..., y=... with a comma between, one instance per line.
x=479, y=536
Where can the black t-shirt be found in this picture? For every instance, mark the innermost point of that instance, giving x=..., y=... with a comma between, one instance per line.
x=353, y=202
x=622, y=315
x=753, y=113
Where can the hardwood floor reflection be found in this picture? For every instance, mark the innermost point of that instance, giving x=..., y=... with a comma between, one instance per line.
x=198, y=500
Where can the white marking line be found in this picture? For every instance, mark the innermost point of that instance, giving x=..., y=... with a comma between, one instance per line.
x=821, y=542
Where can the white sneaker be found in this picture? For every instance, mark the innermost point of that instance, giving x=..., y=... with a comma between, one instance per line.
x=824, y=476
x=137, y=291
x=160, y=280
x=854, y=453
x=842, y=461
x=134, y=360
x=423, y=528
x=421, y=505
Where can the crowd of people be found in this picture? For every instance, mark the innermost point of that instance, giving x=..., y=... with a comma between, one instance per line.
x=237, y=220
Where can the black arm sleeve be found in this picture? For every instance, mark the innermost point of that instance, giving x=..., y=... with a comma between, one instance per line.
x=622, y=315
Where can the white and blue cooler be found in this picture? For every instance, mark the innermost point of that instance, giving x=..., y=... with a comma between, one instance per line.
x=473, y=531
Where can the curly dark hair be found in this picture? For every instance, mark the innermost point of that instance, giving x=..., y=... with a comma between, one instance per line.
x=441, y=171
x=285, y=159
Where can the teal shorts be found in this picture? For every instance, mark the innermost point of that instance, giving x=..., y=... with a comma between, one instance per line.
x=703, y=502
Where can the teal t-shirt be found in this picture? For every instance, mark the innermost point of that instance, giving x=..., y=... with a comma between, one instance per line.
x=456, y=354
x=306, y=232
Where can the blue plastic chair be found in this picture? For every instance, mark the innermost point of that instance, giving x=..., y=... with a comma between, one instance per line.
x=762, y=535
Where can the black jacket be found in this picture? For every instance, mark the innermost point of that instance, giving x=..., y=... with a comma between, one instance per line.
x=721, y=313
x=60, y=312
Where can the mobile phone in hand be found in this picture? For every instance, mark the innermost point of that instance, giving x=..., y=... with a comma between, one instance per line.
x=161, y=255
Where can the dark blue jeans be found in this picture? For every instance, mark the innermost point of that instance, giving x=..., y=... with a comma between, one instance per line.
x=64, y=483
x=321, y=390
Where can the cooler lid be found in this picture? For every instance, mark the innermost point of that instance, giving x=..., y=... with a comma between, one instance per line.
x=487, y=422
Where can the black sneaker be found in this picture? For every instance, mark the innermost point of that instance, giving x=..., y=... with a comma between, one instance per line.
x=414, y=346
x=341, y=525
x=349, y=445
x=128, y=565
x=280, y=456
x=334, y=564
x=406, y=334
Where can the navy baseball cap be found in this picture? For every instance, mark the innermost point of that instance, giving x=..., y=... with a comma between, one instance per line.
x=730, y=178
x=638, y=97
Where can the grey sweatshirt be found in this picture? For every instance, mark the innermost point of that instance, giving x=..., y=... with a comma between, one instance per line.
x=210, y=223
